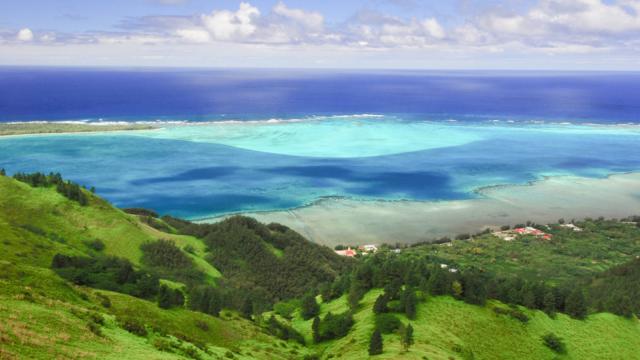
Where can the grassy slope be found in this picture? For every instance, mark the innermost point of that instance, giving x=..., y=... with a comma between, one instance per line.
x=447, y=328
x=49, y=211
x=43, y=317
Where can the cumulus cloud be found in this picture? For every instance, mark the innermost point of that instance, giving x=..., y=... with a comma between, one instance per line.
x=550, y=26
x=310, y=20
x=576, y=20
x=230, y=25
x=25, y=35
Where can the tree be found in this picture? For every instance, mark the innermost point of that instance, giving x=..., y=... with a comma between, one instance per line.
x=623, y=307
x=168, y=298
x=375, y=344
x=474, y=288
x=456, y=289
x=576, y=305
x=407, y=337
x=356, y=292
x=528, y=297
x=549, y=301
x=247, y=308
x=380, y=306
x=439, y=282
x=410, y=303
x=309, y=307
x=3, y=172
x=315, y=330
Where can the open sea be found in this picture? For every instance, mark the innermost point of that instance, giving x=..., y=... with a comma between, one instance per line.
x=253, y=140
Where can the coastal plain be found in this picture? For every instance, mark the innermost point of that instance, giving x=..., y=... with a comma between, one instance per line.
x=337, y=221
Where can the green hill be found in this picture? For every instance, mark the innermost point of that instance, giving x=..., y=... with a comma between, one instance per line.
x=69, y=259
x=445, y=328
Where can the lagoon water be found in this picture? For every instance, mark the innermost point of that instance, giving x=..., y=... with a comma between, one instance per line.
x=258, y=141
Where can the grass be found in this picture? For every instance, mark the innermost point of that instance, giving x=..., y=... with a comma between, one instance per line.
x=446, y=328
x=57, y=224
x=48, y=128
x=43, y=317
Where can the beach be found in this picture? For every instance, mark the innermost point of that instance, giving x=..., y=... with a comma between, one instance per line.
x=344, y=221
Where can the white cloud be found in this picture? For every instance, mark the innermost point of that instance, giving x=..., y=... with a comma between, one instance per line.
x=433, y=28
x=545, y=28
x=311, y=20
x=194, y=35
x=25, y=35
x=228, y=25
x=556, y=18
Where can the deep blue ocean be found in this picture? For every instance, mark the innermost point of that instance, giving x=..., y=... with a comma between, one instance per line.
x=253, y=140
x=68, y=94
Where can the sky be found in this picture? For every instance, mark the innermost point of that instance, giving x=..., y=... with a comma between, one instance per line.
x=381, y=34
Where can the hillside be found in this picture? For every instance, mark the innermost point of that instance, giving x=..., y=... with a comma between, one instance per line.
x=445, y=328
x=82, y=279
x=44, y=316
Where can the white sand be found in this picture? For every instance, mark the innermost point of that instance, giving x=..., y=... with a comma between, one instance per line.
x=344, y=221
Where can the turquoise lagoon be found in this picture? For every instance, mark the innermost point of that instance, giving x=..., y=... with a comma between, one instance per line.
x=199, y=170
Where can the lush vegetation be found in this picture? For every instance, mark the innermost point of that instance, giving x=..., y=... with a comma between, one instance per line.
x=91, y=281
x=69, y=189
x=249, y=254
x=108, y=273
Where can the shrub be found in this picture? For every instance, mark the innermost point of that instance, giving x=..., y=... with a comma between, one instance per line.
x=555, y=343
x=133, y=327
x=514, y=313
x=96, y=245
x=285, y=308
x=202, y=325
x=162, y=345
x=387, y=323
x=104, y=300
x=94, y=328
x=96, y=318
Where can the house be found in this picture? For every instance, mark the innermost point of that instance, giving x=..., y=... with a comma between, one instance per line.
x=349, y=252
x=368, y=248
x=509, y=235
x=571, y=226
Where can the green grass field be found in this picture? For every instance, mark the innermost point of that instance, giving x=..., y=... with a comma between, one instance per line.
x=446, y=328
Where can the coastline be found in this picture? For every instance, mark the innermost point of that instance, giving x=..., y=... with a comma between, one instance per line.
x=41, y=128
x=333, y=221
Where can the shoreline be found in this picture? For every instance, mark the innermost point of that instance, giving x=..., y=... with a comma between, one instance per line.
x=47, y=129
x=339, y=220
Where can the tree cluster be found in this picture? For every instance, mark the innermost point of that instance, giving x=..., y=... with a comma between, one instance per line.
x=332, y=326
x=108, y=273
x=68, y=189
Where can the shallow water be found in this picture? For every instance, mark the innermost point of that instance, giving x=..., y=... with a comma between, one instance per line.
x=213, y=169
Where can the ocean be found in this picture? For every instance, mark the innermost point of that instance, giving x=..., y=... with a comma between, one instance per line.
x=257, y=140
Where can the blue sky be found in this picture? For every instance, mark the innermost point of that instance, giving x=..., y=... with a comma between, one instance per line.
x=458, y=34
